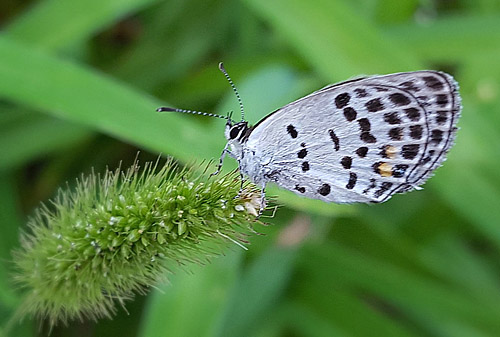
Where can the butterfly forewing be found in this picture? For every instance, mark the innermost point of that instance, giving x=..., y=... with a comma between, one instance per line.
x=361, y=140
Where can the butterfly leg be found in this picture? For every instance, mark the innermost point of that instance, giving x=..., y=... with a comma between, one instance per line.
x=242, y=178
x=242, y=182
x=221, y=159
x=262, y=200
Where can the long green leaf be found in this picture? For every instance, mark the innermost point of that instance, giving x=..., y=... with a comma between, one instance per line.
x=53, y=25
x=336, y=41
x=443, y=39
x=86, y=97
x=29, y=135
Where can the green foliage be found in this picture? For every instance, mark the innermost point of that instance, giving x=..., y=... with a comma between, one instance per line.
x=79, y=83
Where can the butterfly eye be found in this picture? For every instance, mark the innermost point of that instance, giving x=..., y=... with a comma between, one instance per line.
x=234, y=132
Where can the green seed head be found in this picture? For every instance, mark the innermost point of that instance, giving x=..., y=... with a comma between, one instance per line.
x=113, y=236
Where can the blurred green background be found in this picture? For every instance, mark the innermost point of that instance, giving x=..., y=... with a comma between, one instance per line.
x=79, y=83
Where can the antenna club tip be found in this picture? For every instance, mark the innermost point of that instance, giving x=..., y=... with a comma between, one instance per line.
x=165, y=109
x=221, y=67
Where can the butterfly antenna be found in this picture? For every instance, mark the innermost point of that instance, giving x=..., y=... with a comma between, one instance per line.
x=163, y=109
x=221, y=67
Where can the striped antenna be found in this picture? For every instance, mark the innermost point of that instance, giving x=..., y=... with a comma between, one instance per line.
x=162, y=109
x=221, y=67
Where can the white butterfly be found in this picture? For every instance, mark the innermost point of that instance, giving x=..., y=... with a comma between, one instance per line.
x=362, y=140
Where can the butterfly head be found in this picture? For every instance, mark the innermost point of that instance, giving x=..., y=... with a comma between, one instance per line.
x=236, y=131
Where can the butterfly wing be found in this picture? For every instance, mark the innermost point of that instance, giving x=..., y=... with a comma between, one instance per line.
x=361, y=140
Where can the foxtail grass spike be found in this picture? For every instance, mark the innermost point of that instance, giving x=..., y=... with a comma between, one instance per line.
x=94, y=247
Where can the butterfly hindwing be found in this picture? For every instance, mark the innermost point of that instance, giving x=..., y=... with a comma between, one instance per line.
x=361, y=140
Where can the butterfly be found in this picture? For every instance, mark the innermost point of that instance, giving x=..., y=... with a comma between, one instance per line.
x=362, y=140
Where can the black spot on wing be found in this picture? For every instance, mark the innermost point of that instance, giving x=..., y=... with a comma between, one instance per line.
x=362, y=151
x=292, y=131
x=302, y=153
x=305, y=166
x=396, y=133
x=413, y=114
x=392, y=118
x=433, y=83
x=360, y=93
x=334, y=139
x=410, y=151
x=346, y=162
x=342, y=100
x=416, y=131
x=352, y=181
x=442, y=116
x=436, y=136
x=409, y=86
x=364, y=124
x=350, y=114
x=399, y=99
x=367, y=137
x=442, y=100
x=324, y=190
x=374, y=105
